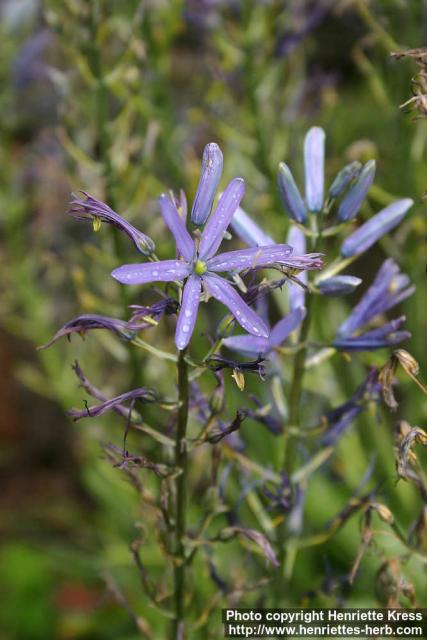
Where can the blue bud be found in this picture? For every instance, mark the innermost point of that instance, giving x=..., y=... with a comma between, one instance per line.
x=380, y=224
x=339, y=285
x=350, y=205
x=209, y=179
x=290, y=195
x=343, y=179
x=314, y=159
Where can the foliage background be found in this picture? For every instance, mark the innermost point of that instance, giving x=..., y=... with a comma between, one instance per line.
x=119, y=99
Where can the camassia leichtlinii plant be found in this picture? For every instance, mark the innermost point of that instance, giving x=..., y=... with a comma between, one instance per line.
x=272, y=291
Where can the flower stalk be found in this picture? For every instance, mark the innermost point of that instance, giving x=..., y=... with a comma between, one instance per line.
x=181, y=496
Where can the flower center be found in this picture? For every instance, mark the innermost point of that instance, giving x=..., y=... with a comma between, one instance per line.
x=200, y=267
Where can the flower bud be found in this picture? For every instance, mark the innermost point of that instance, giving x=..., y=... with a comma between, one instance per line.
x=314, y=158
x=380, y=224
x=339, y=285
x=343, y=179
x=290, y=195
x=350, y=205
x=209, y=179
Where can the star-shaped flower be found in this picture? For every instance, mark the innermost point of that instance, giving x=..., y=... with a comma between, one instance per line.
x=198, y=266
x=389, y=288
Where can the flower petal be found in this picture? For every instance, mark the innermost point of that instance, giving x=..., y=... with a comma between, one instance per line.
x=377, y=226
x=386, y=336
x=247, y=345
x=242, y=259
x=209, y=179
x=163, y=271
x=176, y=225
x=188, y=313
x=248, y=230
x=285, y=326
x=290, y=195
x=350, y=205
x=245, y=316
x=314, y=158
x=296, y=294
x=219, y=220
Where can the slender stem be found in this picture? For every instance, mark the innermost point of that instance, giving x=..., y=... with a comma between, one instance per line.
x=181, y=496
x=285, y=549
x=296, y=388
x=281, y=582
x=299, y=361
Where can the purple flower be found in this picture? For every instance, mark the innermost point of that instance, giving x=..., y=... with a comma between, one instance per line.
x=199, y=266
x=389, y=288
x=340, y=418
x=252, y=345
x=377, y=226
x=353, y=200
x=97, y=212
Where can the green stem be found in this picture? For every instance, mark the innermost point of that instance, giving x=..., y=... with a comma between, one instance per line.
x=290, y=454
x=181, y=497
x=296, y=388
x=281, y=584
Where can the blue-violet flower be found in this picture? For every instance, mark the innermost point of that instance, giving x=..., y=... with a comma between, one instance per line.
x=199, y=266
x=388, y=289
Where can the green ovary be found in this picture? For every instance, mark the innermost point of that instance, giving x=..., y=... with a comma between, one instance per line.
x=200, y=267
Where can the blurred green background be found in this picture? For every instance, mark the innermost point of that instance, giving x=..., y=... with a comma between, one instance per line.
x=119, y=99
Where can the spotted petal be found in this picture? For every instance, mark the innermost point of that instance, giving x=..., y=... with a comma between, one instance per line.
x=219, y=220
x=163, y=271
x=188, y=312
x=176, y=225
x=245, y=316
x=250, y=258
